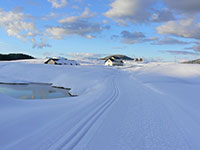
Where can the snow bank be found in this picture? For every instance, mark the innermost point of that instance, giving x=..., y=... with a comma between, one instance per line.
x=173, y=70
x=79, y=78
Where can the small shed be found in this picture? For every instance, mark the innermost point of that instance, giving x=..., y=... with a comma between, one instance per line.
x=114, y=62
x=62, y=61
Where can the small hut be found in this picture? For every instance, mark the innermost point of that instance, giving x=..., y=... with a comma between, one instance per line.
x=114, y=62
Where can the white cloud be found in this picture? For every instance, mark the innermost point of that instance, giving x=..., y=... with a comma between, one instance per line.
x=130, y=10
x=41, y=44
x=58, y=3
x=195, y=48
x=87, y=13
x=132, y=38
x=127, y=37
x=76, y=25
x=162, y=15
x=18, y=9
x=139, y=37
x=184, y=6
x=168, y=41
x=175, y=52
x=16, y=24
x=187, y=28
x=90, y=36
x=50, y=16
x=143, y=11
x=80, y=27
x=71, y=19
x=86, y=56
x=55, y=32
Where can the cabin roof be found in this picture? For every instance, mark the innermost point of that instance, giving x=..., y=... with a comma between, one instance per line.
x=114, y=60
x=110, y=59
x=62, y=61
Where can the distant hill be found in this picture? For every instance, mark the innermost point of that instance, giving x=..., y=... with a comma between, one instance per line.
x=197, y=61
x=8, y=57
x=123, y=57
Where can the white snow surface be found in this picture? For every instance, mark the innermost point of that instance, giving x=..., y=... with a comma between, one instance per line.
x=152, y=106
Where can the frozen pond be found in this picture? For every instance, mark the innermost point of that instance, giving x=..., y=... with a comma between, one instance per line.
x=33, y=91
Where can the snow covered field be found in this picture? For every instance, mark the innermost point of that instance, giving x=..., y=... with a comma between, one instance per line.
x=152, y=106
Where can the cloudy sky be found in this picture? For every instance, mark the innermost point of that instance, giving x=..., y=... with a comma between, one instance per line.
x=161, y=29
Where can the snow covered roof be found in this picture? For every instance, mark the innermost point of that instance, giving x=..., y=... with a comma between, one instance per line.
x=114, y=60
x=62, y=61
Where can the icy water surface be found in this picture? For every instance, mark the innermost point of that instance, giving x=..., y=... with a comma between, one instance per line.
x=33, y=91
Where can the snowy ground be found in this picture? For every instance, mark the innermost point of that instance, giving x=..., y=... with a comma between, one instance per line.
x=152, y=106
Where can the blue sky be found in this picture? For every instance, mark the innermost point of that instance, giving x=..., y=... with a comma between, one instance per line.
x=156, y=29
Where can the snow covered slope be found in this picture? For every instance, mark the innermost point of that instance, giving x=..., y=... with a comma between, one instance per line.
x=141, y=106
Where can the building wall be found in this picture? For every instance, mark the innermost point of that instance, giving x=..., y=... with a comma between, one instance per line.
x=109, y=63
x=51, y=62
x=115, y=63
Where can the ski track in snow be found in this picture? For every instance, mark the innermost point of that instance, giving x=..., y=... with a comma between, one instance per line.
x=74, y=136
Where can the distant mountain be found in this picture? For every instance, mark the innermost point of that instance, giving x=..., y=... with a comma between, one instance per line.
x=8, y=57
x=123, y=57
x=197, y=61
